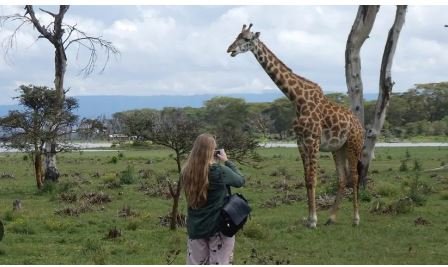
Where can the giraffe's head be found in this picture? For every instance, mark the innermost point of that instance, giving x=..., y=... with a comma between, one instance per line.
x=244, y=41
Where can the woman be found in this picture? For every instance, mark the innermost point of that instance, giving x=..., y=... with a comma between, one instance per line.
x=205, y=183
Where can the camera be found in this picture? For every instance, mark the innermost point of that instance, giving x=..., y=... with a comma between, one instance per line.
x=217, y=152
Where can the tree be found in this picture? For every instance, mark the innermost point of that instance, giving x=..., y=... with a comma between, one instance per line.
x=365, y=18
x=226, y=111
x=282, y=113
x=258, y=120
x=359, y=33
x=174, y=129
x=88, y=128
x=62, y=36
x=135, y=122
x=39, y=122
x=339, y=98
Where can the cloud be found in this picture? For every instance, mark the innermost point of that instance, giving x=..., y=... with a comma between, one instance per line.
x=182, y=49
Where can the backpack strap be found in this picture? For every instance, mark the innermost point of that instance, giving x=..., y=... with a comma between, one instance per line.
x=227, y=186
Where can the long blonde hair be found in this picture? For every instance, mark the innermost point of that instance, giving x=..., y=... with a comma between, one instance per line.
x=195, y=170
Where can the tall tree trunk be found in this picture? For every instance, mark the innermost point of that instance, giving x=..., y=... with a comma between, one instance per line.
x=365, y=18
x=176, y=195
x=174, y=211
x=38, y=168
x=51, y=170
x=385, y=90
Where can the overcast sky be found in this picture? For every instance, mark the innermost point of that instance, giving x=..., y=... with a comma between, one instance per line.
x=181, y=50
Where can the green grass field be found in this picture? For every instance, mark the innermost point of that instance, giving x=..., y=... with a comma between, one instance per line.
x=72, y=222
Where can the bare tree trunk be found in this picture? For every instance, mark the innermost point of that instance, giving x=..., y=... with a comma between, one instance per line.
x=365, y=18
x=175, y=195
x=38, y=168
x=174, y=210
x=386, y=85
x=51, y=170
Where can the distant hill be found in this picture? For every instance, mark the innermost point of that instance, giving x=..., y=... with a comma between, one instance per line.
x=93, y=106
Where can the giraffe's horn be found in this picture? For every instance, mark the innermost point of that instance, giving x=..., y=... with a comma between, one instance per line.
x=250, y=26
x=244, y=27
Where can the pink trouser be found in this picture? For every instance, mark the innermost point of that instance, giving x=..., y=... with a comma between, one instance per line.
x=217, y=249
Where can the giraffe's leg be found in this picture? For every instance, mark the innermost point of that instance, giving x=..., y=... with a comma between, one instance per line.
x=305, y=161
x=353, y=152
x=311, y=150
x=340, y=161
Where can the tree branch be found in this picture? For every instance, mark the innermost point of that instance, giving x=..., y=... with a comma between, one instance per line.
x=42, y=30
x=91, y=43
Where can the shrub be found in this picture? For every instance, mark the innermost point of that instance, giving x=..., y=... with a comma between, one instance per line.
x=132, y=226
x=365, y=195
x=114, y=160
x=402, y=206
x=403, y=166
x=128, y=175
x=418, y=191
x=417, y=165
x=408, y=155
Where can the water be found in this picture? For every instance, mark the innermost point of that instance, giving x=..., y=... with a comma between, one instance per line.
x=96, y=147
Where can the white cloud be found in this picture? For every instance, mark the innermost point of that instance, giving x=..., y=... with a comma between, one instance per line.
x=182, y=49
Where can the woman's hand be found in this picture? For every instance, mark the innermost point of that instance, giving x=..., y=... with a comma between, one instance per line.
x=222, y=155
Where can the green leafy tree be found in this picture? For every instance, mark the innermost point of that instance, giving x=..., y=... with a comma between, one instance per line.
x=282, y=113
x=174, y=129
x=135, y=122
x=37, y=123
x=226, y=111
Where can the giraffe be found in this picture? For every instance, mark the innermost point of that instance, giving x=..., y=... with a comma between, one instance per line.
x=320, y=125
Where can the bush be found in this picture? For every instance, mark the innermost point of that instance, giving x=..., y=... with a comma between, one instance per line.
x=418, y=191
x=417, y=165
x=128, y=175
x=132, y=226
x=403, y=166
x=402, y=206
x=114, y=160
x=365, y=195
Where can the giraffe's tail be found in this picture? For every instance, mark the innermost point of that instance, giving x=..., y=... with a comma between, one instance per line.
x=362, y=174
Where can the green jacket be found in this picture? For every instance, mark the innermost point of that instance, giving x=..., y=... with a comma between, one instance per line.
x=204, y=222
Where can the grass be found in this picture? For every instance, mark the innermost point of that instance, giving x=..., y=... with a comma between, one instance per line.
x=274, y=234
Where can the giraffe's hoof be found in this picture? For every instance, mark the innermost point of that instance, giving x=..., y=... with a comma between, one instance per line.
x=330, y=222
x=311, y=225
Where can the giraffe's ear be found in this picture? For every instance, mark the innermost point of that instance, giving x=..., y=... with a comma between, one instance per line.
x=257, y=34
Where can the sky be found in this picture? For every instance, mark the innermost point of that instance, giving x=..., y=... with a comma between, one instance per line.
x=181, y=50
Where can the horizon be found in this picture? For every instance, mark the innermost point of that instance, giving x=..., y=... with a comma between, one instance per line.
x=181, y=50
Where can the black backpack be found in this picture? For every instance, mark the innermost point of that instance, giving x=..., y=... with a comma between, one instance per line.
x=234, y=213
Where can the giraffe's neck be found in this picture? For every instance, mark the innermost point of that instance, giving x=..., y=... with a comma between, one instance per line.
x=287, y=81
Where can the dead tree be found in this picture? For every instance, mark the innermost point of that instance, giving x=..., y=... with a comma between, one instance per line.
x=360, y=30
x=62, y=36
